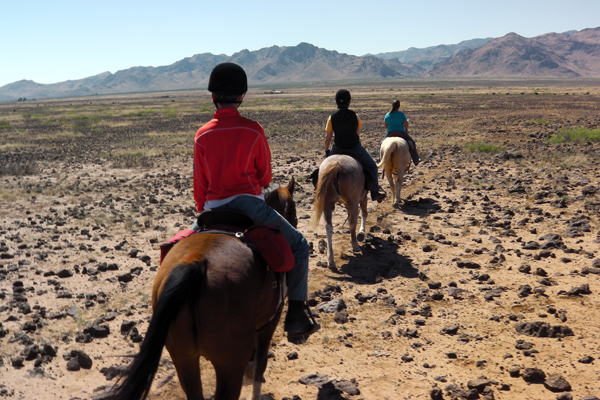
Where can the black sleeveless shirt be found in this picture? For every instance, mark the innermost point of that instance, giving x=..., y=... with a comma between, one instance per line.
x=345, y=127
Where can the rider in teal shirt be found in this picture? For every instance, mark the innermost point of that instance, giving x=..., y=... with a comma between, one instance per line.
x=396, y=124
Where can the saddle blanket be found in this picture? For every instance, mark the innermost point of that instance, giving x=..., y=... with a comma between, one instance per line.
x=265, y=240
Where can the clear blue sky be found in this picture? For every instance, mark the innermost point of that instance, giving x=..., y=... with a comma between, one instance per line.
x=51, y=41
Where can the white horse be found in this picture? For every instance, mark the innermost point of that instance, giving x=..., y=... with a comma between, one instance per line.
x=395, y=160
x=340, y=179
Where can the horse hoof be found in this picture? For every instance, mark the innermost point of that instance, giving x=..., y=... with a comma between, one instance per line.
x=360, y=237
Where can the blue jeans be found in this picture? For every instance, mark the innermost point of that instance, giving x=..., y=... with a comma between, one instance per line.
x=262, y=214
x=364, y=158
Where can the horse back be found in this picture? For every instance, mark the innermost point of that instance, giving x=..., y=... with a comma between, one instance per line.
x=394, y=150
x=236, y=284
x=350, y=177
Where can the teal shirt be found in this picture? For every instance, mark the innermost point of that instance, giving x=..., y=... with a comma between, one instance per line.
x=395, y=121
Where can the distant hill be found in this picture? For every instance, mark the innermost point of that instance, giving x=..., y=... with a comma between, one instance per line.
x=553, y=55
x=429, y=56
x=558, y=55
x=301, y=63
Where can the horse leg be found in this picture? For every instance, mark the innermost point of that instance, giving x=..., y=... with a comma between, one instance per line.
x=181, y=345
x=352, y=221
x=399, y=180
x=188, y=372
x=229, y=380
x=330, y=256
x=261, y=354
x=364, y=212
x=390, y=178
x=328, y=214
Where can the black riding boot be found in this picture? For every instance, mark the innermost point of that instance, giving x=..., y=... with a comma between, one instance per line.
x=377, y=194
x=299, y=320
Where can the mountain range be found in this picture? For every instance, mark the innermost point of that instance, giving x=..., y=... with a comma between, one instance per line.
x=574, y=54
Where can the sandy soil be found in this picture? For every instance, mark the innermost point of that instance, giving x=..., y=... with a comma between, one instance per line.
x=483, y=284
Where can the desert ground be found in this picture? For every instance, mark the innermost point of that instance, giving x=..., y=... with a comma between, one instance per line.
x=483, y=283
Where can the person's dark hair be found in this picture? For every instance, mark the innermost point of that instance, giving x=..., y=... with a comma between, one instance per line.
x=227, y=82
x=395, y=106
x=225, y=98
x=342, y=98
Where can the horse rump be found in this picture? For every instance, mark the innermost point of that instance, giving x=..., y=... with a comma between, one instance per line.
x=180, y=289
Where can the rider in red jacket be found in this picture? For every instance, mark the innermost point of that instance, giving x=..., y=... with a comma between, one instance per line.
x=231, y=158
x=232, y=162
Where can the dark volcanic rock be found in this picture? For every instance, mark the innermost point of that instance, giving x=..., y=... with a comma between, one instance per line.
x=557, y=383
x=586, y=360
x=533, y=375
x=577, y=291
x=543, y=329
x=468, y=264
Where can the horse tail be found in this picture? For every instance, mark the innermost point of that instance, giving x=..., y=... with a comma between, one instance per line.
x=325, y=189
x=180, y=289
x=386, y=152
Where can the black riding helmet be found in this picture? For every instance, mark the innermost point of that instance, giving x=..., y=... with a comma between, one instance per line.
x=228, y=81
x=342, y=98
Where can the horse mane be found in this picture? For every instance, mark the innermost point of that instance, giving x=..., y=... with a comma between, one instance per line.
x=325, y=189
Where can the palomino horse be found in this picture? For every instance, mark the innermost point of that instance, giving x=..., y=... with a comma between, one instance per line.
x=212, y=297
x=395, y=160
x=341, y=178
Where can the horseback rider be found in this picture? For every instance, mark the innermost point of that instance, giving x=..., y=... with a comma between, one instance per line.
x=224, y=182
x=396, y=125
x=346, y=124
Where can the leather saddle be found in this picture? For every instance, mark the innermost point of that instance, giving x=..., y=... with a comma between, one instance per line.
x=224, y=220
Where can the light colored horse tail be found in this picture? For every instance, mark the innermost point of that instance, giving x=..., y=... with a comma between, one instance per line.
x=326, y=188
x=385, y=153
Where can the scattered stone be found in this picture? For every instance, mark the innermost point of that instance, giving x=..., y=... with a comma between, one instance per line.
x=480, y=384
x=468, y=264
x=586, y=360
x=576, y=291
x=450, y=329
x=557, y=383
x=533, y=375
x=341, y=318
x=543, y=329
x=332, y=306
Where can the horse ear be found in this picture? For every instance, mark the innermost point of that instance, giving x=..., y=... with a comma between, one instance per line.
x=290, y=186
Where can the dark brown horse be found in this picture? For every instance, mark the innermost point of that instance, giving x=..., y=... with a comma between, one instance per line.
x=212, y=297
x=282, y=201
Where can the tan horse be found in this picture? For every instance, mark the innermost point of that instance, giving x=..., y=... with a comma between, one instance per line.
x=212, y=297
x=395, y=160
x=341, y=178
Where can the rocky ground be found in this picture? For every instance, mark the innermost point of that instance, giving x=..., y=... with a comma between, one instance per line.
x=483, y=283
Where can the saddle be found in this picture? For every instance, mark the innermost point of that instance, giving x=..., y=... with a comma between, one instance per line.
x=265, y=240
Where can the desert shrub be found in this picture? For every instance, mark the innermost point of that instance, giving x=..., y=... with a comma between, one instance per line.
x=575, y=135
x=18, y=168
x=132, y=159
x=83, y=122
x=141, y=113
x=540, y=122
x=170, y=112
x=483, y=147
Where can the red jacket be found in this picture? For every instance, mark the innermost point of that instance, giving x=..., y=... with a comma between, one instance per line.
x=231, y=157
